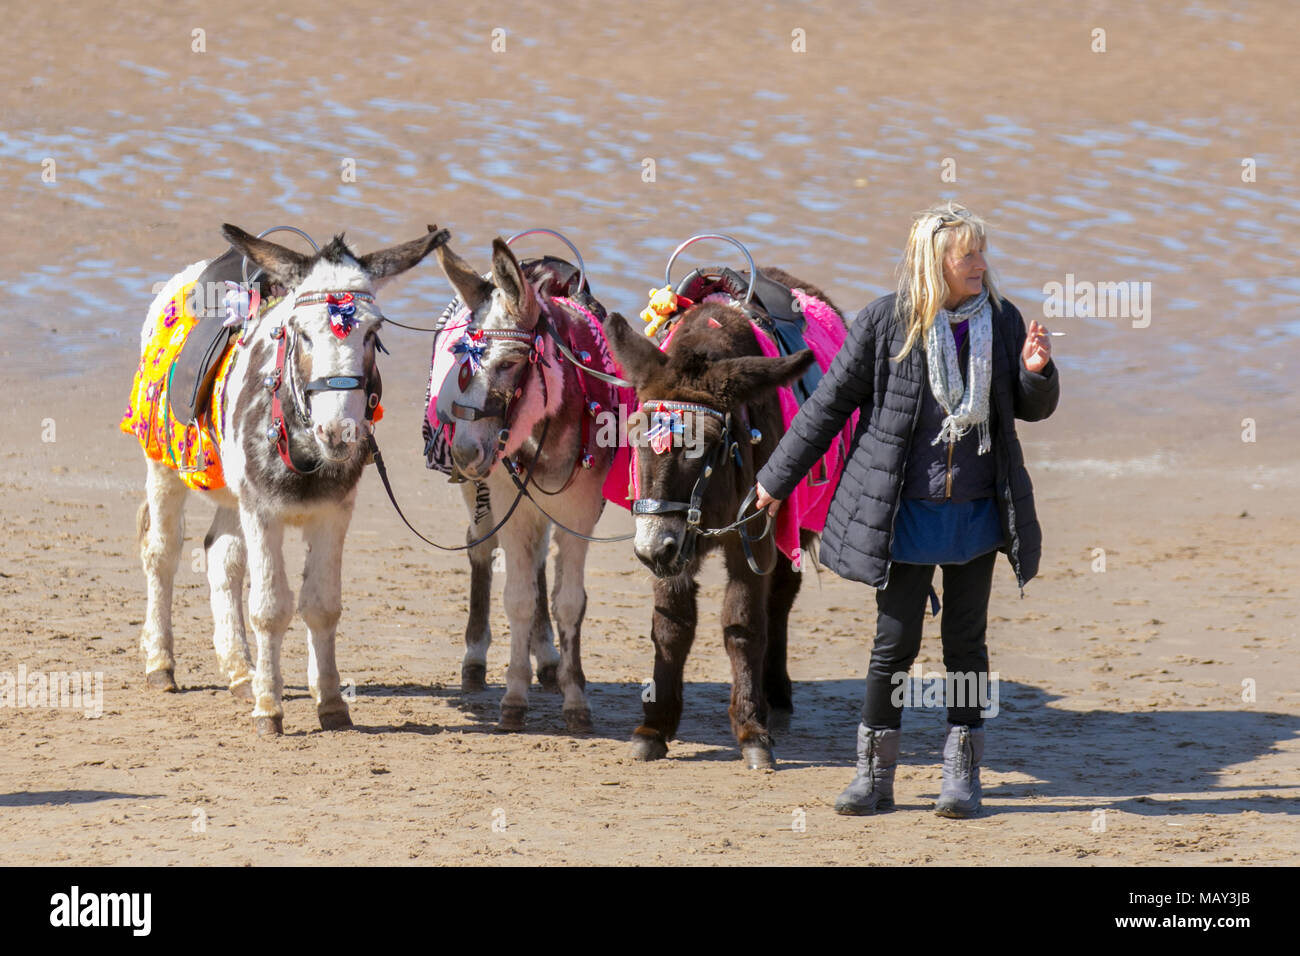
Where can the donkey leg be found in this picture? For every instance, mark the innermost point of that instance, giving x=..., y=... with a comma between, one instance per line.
x=570, y=600
x=270, y=608
x=673, y=631
x=525, y=546
x=478, y=629
x=744, y=632
x=321, y=604
x=227, y=561
x=542, y=638
x=160, y=534
x=777, y=687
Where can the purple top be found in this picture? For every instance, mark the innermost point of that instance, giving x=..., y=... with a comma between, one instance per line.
x=959, y=333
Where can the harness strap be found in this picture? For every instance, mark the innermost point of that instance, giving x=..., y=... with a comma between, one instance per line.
x=279, y=430
x=594, y=373
x=726, y=447
x=512, y=470
x=388, y=487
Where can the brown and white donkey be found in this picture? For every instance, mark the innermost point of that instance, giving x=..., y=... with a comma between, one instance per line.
x=521, y=405
x=300, y=394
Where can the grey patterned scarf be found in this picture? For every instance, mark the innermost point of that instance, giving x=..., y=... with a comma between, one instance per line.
x=969, y=404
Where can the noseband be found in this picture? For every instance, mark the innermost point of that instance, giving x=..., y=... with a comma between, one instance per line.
x=339, y=303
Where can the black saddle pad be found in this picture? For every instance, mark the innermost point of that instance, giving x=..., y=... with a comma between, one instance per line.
x=196, y=366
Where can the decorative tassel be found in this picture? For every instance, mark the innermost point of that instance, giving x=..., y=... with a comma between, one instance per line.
x=471, y=348
x=664, y=425
x=342, y=313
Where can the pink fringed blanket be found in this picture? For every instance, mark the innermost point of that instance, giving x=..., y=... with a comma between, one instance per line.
x=811, y=499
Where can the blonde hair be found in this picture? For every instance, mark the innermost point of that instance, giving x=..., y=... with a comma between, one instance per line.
x=922, y=289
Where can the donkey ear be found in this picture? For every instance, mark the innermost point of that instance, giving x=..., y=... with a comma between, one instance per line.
x=472, y=288
x=284, y=266
x=397, y=259
x=509, y=278
x=734, y=381
x=636, y=354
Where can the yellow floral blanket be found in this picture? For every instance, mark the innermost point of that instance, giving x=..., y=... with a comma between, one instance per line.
x=189, y=449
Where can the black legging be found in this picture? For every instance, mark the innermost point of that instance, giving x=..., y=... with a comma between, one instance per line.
x=900, y=611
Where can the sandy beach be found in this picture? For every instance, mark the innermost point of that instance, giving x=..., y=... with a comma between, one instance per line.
x=1149, y=711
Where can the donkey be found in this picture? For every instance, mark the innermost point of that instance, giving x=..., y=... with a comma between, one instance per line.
x=714, y=378
x=521, y=405
x=301, y=391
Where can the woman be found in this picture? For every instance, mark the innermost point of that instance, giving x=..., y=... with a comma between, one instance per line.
x=941, y=370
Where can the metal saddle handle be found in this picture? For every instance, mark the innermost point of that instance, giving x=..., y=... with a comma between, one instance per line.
x=668, y=270
x=582, y=266
x=455, y=302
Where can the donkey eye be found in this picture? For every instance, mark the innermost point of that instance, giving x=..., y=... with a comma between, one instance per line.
x=306, y=342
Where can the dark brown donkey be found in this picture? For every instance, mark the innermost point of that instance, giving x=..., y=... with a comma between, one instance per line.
x=713, y=385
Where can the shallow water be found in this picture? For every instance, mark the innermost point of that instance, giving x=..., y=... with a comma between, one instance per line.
x=813, y=164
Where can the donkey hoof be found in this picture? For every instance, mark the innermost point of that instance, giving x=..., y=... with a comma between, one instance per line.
x=473, y=678
x=335, y=720
x=512, y=717
x=163, y=679
x=645, y=747
x=270, y=726
x=758, y=756
x=578, y=721
x=548, y=677
x=243, y=690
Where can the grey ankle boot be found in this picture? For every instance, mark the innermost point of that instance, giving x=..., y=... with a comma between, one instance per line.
x=962, y=752
x=872, y=790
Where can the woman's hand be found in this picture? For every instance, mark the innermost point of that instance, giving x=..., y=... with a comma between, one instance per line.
x=1037, y=351
x=766, y=501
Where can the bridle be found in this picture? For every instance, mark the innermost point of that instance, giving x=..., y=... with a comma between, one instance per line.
x=727, y=447
x=286, y=338
x=473, y=345
x=497, y=407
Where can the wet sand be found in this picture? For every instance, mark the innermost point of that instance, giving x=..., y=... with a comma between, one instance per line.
x=1121, y=690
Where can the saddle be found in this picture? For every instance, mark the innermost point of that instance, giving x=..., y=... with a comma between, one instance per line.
x=776, y=312
x=196, y=366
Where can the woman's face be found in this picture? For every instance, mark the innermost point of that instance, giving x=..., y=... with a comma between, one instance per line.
x=963, y=271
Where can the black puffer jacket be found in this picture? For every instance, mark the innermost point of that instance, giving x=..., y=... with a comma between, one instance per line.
x=857, y=541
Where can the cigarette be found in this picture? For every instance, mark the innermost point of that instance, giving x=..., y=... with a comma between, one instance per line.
x=1055, y=333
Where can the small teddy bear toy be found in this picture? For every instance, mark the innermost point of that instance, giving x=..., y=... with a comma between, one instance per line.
x=663, y=303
